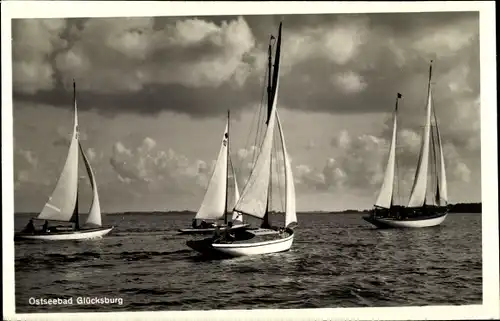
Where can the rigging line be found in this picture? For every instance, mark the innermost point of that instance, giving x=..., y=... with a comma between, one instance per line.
x=438, y=140
x=251, y=129
x=235, y=178
x=259, y=121
x=257, y=135
x=434, y=152
x=278, y=178
x=430, y=174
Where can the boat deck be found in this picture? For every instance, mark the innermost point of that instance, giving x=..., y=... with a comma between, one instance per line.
x=260, y=235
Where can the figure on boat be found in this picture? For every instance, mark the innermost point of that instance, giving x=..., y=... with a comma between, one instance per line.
x=214, y=206
x=30, y=227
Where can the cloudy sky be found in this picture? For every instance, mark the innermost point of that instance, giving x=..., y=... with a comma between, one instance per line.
x=153, y=95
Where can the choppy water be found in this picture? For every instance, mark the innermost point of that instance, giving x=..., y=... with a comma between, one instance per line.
x=337, y=260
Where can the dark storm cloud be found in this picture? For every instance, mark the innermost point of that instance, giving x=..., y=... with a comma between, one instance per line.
x=333, y=63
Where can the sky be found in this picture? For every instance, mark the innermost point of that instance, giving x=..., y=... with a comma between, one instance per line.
x=153, y=95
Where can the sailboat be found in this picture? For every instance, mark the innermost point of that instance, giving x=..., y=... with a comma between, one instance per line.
x=418, y=213
x=255, y=197
x=214, y=205
x=62, y=205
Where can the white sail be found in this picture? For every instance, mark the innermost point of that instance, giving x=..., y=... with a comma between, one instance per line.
x=237, y=217
x=94, y=217
x=290, y=211
x=418, y=192
x=61, y=204
x=253, y=199
x=443, y=186
x=384, y=198
x=213, y=206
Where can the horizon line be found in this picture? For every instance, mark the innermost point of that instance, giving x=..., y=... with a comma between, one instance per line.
x=298, y=212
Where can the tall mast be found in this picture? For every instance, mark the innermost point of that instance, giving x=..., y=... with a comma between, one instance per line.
x=75, y=212
x=269, y=83
x=430, y=124
x=271, y=91
x=265, y=222
x=227, y=169
x=398, y=97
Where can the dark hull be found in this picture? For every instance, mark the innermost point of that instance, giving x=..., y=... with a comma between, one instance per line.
x=205, y=249
x=407, y=218
x=210, y=230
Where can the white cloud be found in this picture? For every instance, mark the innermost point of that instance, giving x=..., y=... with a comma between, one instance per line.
x=350, y=82
x=160, y=170
x=447, y=40
x=462, y=172
x=34, y=41
x=338, y=43
x=191, y=52
x=91, y=154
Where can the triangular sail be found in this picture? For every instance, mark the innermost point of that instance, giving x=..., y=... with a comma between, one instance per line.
x=385, y=195
x=94, y=217
x=418, y=192
x=237, y=217
x=213, y=206
x=290, y=211
x=443, y=187
x=253, y=200
x=62, y=202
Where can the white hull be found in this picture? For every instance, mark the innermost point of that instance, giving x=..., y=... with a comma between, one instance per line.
x=66, y=236
x=391, y=223
x=257, y=248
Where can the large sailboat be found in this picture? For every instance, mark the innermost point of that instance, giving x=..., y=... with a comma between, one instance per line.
x=62, y=205
x=255, y=197
x=214, y=206
x=420, y=212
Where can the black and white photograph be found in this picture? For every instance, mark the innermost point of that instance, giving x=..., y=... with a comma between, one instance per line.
x=209, y=159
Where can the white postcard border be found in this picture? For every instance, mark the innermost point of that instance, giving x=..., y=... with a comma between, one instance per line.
x=489, y=187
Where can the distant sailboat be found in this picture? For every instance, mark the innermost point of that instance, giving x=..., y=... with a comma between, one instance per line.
x=214, y=205
x=62, y=205
x=418, y=213
x=254, y=200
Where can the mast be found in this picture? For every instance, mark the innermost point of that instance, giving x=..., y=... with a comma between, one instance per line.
x=386, y=194
x=227, y=169
x=441, y=190
x=265, y=221
x=419, y=189
x=255, y=195
x=271, y=91
x=75, y=212
x=269, y=83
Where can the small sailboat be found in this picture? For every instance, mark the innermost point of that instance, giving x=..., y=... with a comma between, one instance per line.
x=255, y=197
x=418, y=213
x=62, y=205
x=214, y=205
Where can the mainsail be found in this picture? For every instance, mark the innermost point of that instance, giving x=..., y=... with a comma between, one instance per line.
x=419, y=189
x=61, y=204
x=94, y=217
x=385, y=196
x=253, y=200
x=443, y=187
x=237, y=217
x=290, y=212
x=213, y=206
